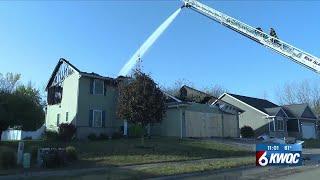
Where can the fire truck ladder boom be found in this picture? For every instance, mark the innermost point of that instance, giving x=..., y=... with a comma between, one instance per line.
x=279, y=46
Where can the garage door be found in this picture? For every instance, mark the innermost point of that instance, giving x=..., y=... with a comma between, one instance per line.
x=200, y=124
x=308, y=130
x=231, y=127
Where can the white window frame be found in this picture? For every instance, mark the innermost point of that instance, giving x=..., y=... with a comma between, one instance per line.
x=94, y=87
x=93, y=118
x=276, y=128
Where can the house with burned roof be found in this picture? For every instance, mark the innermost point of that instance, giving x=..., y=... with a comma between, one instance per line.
x=89, y=101
x=268, y=118
x=188, y=93
x=190, y=115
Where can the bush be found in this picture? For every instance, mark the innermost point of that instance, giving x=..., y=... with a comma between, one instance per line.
x=27, y=138
x=51, y=136
x=7, y=158
x=103, y=136
x=54, y=158
x=66, y=131
x=71, y=153
x=92, y=137
x=135, y=131
x=117, y=135
x=246, y=132
x=34, y=153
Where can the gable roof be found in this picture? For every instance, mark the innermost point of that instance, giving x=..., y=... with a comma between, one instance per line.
x=82, y=73
x=195, y=90
x=260, y=104
x=297, y=110
x=225, y=106
x=195, y=95
x=273, y=111
x=170, y=98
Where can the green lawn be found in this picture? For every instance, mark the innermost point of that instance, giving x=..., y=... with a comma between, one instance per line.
x=128, y=151
x=162, y=170
x=113, y=153
x=311, y=143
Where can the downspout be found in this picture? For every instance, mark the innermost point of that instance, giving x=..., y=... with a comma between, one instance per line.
x=222, y=123
x=125, y=128
x=180, y=112
x=238, y=123
x=77, y=106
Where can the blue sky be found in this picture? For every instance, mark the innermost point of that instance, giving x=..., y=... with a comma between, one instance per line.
x=101, y=36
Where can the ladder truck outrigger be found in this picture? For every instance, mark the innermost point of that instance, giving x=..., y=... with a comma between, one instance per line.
x=299, y=56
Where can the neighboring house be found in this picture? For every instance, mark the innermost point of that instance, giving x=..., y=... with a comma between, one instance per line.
x=302, y=121
x=265, y=117
x=89, y=101
x=191, y=119
x=262, y=115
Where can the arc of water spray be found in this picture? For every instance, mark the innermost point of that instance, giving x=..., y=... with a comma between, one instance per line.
x=147, y=44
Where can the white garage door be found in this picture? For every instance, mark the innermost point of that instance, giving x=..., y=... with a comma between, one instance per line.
x=308, y=130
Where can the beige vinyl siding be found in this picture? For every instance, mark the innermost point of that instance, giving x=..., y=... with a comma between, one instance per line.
x=171, y=125
x=199, y=120
x=88, y=101
x=250, y=117
x=68, y=103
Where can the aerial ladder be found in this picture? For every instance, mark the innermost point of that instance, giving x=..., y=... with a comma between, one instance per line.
x=297, y=55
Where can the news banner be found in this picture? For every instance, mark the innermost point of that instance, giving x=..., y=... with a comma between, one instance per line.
x=279, y=155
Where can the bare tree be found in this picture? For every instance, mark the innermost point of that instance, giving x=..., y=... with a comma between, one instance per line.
x=301, y=92
x=216, y=90
x=9, y=82
x=175, y=88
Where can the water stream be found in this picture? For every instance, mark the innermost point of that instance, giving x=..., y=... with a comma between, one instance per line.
x=130, y=65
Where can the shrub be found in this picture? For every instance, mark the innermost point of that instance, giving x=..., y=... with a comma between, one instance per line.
x=103, y=136
x=246, y=132
x=92, y=137
x=34, y=153
x=54, y=158
x=7, y=158
x=71, y=153
x=27, y=138
x=51, y=136
x=66, y=131
x=135, y=131
x=117, y=135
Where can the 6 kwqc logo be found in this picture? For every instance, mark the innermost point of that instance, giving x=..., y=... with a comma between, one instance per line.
x=278, y=155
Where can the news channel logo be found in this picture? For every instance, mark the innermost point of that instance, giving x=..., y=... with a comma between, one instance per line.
x=278, y=155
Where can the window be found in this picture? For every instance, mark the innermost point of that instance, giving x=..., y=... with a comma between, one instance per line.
x=97, y=118
x=279, y=123
x=67, y=116
x=58, y=119
x=98, y=86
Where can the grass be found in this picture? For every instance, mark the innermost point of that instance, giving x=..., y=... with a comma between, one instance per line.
x=127, y=151
x=311, y=143
x=186, y=167
x=165, y=169
x=116, y=153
